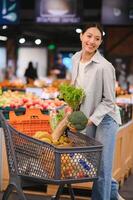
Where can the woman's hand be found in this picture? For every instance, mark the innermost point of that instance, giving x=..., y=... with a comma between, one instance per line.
x=89, y=122
x=72, y=128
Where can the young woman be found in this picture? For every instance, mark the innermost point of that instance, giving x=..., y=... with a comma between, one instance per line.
x=92, y=72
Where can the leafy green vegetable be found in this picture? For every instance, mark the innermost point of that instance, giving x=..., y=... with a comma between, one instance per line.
x=60, y=114
x=55, y=117
x=72, y=96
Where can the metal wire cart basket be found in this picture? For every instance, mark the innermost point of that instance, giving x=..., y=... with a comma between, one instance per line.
x=31, y=159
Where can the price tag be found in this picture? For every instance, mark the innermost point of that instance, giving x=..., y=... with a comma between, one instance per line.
x=36, y=91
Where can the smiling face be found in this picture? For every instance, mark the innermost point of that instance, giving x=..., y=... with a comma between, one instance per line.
x=91, y=40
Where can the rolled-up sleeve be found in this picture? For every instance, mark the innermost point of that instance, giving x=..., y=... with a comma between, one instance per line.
x=108, y=95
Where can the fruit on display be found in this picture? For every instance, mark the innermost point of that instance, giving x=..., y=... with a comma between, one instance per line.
x=39, y=83
x=18, y=99
x=52, y=91
x=17, y=83
x=58, y=82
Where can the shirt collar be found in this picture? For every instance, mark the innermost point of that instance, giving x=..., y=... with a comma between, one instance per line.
x=96, y=57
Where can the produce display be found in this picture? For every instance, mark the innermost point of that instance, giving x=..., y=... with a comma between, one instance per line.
x=58, y=82
x=50, y=92
x=12, y=84
x=18, y=99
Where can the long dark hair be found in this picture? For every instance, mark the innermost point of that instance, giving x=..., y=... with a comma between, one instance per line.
x=91, y=25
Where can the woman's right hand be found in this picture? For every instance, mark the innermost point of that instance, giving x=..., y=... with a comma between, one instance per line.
x=89, y=122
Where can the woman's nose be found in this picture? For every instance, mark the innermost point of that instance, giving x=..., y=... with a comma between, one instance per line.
x=92, y=40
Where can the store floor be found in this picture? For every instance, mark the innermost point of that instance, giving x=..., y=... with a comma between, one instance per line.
x=126, y=191
x=42, y=197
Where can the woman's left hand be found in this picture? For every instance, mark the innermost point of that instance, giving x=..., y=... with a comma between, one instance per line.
x=89, y=122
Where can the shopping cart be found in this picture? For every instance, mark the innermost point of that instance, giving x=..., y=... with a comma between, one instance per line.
x=32, y=160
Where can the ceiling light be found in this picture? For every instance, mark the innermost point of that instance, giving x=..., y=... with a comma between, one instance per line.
x=22, y=40
x=117, y=12
x=38, y=41
x=3, y=38
x=78, y=30
x=4, y=27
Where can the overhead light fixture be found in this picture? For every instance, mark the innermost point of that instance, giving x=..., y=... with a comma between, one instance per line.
x=117, y=12
x=103, y=33
x=4, y=27
x=78, y=30
x=22, y=40
x=38, y=41
x=3, y=38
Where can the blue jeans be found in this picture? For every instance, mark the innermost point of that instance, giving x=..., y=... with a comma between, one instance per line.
x=105, y=188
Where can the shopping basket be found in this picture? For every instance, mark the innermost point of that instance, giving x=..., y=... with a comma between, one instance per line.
x=31, y=159
x=32, y=121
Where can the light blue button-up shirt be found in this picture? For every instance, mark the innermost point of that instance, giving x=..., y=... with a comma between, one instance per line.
x=99, y=86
